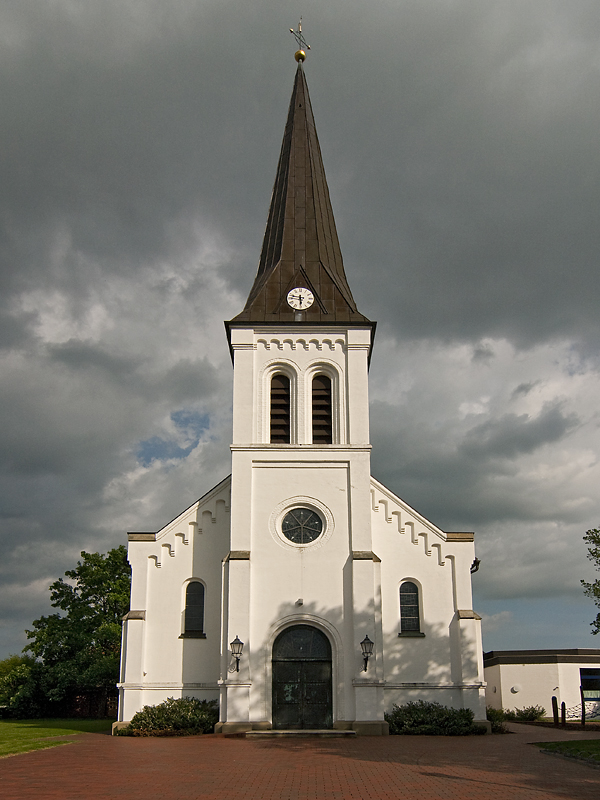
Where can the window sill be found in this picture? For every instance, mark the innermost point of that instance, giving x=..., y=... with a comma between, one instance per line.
x=412, y=634
x=193, y=635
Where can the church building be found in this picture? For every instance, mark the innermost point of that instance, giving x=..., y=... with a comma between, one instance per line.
x=300, y=591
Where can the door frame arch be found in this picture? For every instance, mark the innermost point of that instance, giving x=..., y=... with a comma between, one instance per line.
x=337, y=659
x=302, y=684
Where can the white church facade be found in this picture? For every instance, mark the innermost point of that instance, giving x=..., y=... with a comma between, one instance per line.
x=299, y=591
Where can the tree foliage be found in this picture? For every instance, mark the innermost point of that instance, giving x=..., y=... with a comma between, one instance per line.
x=592, y=538
x=76, y=651
x=14, y=674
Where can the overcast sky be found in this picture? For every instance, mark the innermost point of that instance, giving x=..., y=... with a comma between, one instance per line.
x=461, y=143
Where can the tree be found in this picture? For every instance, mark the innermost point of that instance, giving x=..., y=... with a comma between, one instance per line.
x=14, y=674
x=78, y=652
x=592, y=538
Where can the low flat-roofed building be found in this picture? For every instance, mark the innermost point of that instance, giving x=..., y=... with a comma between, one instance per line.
x=523, y=678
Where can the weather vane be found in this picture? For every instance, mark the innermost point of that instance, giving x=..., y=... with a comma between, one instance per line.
x=300, y=54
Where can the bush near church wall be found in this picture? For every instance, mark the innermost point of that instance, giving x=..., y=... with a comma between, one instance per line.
x=420, y=718
x=184, y=716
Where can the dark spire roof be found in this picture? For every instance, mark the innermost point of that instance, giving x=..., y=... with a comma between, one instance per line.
x=301, y=246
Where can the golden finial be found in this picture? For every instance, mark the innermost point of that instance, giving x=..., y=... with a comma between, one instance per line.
x=300, y=54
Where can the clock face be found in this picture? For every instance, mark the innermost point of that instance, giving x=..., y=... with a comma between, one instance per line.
x=302, y=526
x=300, y=298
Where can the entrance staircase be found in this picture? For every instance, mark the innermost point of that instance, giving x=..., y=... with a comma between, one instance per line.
x=324, y=733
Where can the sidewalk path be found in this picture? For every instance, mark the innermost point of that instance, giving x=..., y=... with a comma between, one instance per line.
x=98, y=767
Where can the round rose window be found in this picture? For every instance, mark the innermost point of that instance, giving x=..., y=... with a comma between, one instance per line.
x=302, y=526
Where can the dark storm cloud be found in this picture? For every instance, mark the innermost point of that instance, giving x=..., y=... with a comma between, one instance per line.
x=460, y=476
x=185, y=381
x=523, y=388
x=512, y=434
x=76, y=354
x=479, y=194
x=476, y=189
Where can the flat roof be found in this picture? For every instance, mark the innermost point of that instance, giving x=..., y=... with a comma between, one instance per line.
x=577, y=655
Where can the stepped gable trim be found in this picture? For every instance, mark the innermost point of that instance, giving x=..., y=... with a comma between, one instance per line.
x=568, y=656
x=201, y=501
x=146, y=536
x=379, y=487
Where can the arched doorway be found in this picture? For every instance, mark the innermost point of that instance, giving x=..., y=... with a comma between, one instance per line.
x=302, y=679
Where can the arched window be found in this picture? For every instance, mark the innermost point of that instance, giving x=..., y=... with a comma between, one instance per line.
x=194, y=610
x=409, y=608
x=280, y=409
x=322, y=421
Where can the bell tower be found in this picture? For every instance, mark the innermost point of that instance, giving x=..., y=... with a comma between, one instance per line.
x=301, y=572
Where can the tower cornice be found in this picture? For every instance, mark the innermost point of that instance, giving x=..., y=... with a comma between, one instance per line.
x=299, y=329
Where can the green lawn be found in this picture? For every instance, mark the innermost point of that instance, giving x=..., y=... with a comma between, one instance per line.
x=588, y=749
x=24, y=735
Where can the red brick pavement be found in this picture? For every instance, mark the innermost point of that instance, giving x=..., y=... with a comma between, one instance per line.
x=97, y=767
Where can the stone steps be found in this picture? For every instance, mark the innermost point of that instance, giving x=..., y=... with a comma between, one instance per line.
x=298, y=734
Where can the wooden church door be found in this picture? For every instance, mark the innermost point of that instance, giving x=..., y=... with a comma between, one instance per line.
x=302, y=688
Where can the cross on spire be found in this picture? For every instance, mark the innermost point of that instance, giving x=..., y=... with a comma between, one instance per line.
x=300, y=41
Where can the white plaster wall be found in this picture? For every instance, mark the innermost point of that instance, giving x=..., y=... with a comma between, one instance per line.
x=522, y=685
x=569, y=682
x=300, y=353
x=537, y=683
x=493, y=689
x=446, y=664
x=269, y=583
x=319, y=575
x=267, y=479
x=159, y=664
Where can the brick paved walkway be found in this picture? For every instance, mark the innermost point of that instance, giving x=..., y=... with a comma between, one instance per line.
x=98, y=767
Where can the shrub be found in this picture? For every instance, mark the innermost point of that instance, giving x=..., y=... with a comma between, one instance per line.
x=431, y=719
x=530, y=713
x=184, y=716
x=497, y=717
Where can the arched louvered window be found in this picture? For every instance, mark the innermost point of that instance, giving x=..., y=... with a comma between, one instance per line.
x=322, y=421
x=409, y=608
x=194, y=610
x=280, y=409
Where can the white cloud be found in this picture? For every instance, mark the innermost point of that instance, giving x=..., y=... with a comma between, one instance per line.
x=492, y=622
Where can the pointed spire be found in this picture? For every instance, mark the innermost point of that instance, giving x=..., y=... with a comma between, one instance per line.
x=300, y=247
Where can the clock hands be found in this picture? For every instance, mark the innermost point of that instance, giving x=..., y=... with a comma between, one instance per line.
x=300, y=298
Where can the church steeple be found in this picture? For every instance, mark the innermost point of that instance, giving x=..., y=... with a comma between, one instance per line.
x=300, y=247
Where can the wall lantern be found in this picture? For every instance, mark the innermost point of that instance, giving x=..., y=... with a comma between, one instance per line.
x=367, y=650
x=236, y=651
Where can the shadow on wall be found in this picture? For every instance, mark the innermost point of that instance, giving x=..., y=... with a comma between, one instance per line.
x=436, y=657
